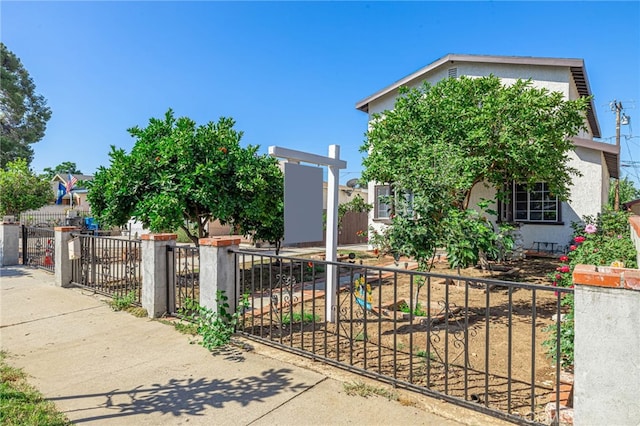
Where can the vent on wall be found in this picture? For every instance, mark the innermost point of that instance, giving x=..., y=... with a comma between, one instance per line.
x=453, y=72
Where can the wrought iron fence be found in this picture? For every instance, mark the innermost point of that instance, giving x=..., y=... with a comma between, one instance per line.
x=473, y=341
x=37, y=247
x=44, y=219
x=183, y=269
x=107, y=265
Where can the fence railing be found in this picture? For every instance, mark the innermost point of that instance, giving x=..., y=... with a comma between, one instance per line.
x=183, y=269
x=48, y=219
x=37, y=247
x=473, y=341
x=107, y=265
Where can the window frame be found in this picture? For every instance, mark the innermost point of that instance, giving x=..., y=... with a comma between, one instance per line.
x=508, y=209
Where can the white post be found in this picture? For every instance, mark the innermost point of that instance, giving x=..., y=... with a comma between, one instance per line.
x=332, y=235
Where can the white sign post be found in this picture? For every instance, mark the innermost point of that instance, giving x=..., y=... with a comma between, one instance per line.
x=334, y=164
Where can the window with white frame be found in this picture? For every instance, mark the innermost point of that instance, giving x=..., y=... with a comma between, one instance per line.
x=382, y=206
x=536, y=205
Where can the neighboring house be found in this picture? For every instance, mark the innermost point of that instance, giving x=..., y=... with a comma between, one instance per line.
x=79, y=192
x=547, y=225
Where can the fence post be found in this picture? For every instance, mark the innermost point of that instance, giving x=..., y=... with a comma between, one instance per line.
x=154, y=272
x=217, y=270
x=606, y=342
x=9, y=242
x=63, y=265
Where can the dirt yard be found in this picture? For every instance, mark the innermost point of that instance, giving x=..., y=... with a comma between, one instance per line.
x=484, y=339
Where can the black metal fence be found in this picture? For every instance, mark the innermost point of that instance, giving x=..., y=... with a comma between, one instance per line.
x=45, y=219
x=107, y=265
x=183, y=270
x=37, y=247
x=473, y=341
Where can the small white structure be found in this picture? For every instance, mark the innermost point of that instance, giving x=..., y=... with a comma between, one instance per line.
x=548, y=229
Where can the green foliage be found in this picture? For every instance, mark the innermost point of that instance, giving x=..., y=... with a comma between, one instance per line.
x=627, y=191
x=418, y=311
x=215, y=326
x=61, y=169
x=441, y=140
x=24, y=113
x=21, y=403
x=179, y=173
x=21, y=190
x=297, y=317
x=122, y=303
x=356, y=204
x=599, y=241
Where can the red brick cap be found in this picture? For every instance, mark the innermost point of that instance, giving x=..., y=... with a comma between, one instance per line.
x=606, y=276
x=159, y=237
x=66, y=228
x=220, y=241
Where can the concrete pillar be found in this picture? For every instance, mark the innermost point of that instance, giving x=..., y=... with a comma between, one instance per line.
x=63, y=265
x=217, y=270
x=606, y=346
x=9, y=243
x=154, y=272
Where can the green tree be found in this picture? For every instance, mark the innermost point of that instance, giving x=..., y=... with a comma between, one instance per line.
x=441, y=140
x=61, y=169
x=21, y=190
x=179, y=174
x=628, y=191
x=23, y=113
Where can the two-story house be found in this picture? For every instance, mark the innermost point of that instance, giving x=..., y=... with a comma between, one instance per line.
x=544, y=225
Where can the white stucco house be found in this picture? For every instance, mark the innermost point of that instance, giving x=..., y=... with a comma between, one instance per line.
x=545, y=226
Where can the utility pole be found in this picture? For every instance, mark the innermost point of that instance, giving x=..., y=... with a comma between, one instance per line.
x=616, y=200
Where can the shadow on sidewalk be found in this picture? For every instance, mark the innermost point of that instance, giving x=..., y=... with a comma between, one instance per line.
x=192, y=397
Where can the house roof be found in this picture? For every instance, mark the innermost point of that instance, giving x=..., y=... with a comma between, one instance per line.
x=576, y=66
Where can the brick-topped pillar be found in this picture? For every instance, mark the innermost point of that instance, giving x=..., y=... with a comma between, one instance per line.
x=606, y=345
x=9, y=242
x=217, y=270
x=63, y=266
x=154, y=272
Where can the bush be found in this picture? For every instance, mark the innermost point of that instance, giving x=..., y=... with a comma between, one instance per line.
x=600, y=241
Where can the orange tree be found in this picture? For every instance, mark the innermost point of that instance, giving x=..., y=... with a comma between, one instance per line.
x=179, y=175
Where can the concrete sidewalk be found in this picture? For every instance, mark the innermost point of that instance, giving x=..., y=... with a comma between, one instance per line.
x=105, y=367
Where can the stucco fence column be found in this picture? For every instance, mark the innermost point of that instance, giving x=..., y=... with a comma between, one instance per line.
x=154, y=272
x=606, y=346
x=63, y=269
x=9, y=243
x=217, y=271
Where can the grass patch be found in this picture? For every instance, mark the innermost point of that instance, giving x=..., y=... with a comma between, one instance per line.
x=423, y=354
x=364, y=390
x=305, y=317
x=122, y=303
x=21, y=403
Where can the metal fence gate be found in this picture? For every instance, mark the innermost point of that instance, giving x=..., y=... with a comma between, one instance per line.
x=476, y=342
x=183, y=277
x=38, y=247
x=108, y=265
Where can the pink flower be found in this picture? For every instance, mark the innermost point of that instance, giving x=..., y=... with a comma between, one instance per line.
x=579, y=239
x=563, y=269
x=590, y=229
x=555, y=293
x=572, y=247
x=571, y=286
x=555, y=284
x=564, y=258
x=558, y=277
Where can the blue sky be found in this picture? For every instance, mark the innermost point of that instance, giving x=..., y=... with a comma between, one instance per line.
x=289, y=73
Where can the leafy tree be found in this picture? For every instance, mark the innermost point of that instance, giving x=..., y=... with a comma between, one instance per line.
x=21, y=190
x=441, y=140
x=628, y=191
x=179, y=174
x=23, y=113
x=61, y=169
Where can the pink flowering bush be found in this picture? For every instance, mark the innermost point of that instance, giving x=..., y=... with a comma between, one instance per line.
x=602, y=241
